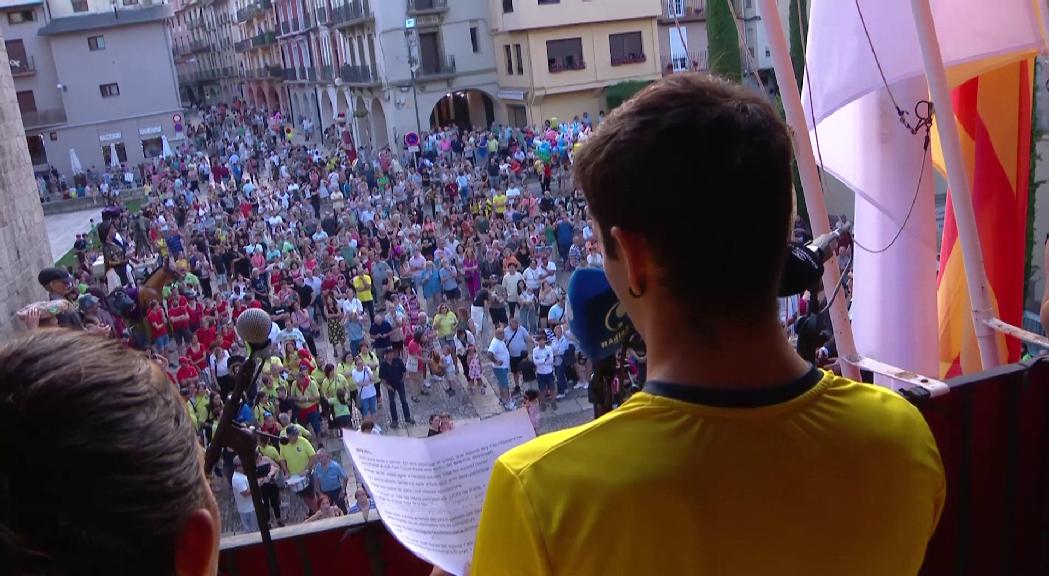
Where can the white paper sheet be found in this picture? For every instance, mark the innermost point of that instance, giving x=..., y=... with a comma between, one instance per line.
x=429, y=491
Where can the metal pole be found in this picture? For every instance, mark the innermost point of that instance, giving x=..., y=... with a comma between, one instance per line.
x=810, y=178
x=415, y=103
x=961, y=194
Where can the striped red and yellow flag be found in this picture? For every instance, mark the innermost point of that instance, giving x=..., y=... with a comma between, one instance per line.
x=993, y=113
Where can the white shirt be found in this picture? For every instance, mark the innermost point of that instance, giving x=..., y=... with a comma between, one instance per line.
x=533, y=276
x=543, y=357
x=510, y=283
x=244, y=503
x=501, y=353
x=363, y=379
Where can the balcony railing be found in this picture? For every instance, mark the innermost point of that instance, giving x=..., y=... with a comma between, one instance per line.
x=246, y=13
x=442, y=68
x=199, y=46
x=323, y=16
x=358, y=75
x=418, y=7
x=352, y=13
x=290, y=74
x=311, y=74
x=683, y=10
x=295, y=25
x=243, y=45
x=631, y=58
x=671, y=63
x=264, y=39
x=41, y=118
x=326, y=73
x=307, y=22
x=272, y=72
x=285, y=28
x=566, y=65
x=22, y=66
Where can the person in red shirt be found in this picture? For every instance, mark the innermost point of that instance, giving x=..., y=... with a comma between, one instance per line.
x=178, y=314
x=158, y=326
x=186, y=373
x=207, y=333
x=197, y=353
x=196, y=312
x=229, y=336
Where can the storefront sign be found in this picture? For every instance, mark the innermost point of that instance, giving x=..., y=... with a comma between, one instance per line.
x=110, y=137
x=149, y=130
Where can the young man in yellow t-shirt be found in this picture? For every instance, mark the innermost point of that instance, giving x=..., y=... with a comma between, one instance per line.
x=738, y=458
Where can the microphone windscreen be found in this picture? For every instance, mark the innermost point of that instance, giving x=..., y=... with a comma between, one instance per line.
x=599, y=321
x=253, y=326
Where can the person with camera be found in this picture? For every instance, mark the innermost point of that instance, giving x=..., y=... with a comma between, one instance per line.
x=738, y=457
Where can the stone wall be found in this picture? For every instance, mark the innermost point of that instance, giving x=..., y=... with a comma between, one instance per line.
x=24, y=249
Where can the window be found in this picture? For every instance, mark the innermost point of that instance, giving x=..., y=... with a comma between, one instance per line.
x=474, y=41
x=520, y=61
x=96, y=43
x=108, y=90
x=566, y=54
x=152, y=147
x=541, y=2
x=17, y=58
x=37, y=152
x=750, y=4
x=130, y=2
x=79, y=5
x=680, y=63
x=517, y=115
x=675, y=8
x=626, y=48
x=107, y=153
x=26, y=101
x=509, y=60
x=20, y=16
x=508, y=6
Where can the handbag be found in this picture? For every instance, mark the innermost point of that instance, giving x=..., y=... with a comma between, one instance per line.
x=412, y=364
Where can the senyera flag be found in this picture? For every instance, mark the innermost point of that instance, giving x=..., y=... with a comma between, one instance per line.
x=993, y=113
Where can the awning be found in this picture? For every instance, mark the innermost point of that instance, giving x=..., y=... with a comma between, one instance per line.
x=518, y=95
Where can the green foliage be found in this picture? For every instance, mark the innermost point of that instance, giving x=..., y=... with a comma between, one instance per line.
x=799, y=31
x=1032, y=190
x=623, y=91
x=723, y=41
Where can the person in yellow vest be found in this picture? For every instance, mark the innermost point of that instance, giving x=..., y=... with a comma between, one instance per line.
x=362, y=284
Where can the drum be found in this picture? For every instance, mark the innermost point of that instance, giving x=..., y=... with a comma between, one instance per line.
x=297, y=482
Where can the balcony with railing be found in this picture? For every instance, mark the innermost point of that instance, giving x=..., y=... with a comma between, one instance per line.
x=200, y=46
x=352, y=14
x=326, y=73
x=272, y=72
x=628, y=58
x=565, y=64
x=311, y=74
x=423, y=7
x=290, y=74
x=285, y=28
x=42, y=118
x=436, y=69
x=22, y=66
x=242, y=45
x=361, y=75
x=683, y=11
x=264, y=39
x=679, y=62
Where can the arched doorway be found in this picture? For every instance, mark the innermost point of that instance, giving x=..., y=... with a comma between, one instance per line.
x=273, y=100
x=327, y=114
x=378, y=120
x=363, y=121
x=463, y=108
x=296, y=108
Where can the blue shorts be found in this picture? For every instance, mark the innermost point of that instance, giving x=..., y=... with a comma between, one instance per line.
x=546, y=381
x=502, y=377
x=161, y=341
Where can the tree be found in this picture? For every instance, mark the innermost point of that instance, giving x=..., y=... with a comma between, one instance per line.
x=723, y=41
x=623, y=91
x=799, y=31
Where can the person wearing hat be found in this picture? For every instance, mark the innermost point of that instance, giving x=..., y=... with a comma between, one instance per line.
x=88, y=304
x=60, y=286
x=242, y=498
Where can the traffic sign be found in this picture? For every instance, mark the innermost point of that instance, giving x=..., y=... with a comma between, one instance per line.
x=409, y=23
x=411, y=139
x=176, y=118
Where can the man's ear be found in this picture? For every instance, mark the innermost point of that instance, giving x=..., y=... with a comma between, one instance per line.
x=632, y=249
x=196, y=548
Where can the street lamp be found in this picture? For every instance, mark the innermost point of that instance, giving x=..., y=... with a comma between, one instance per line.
x=409, y=37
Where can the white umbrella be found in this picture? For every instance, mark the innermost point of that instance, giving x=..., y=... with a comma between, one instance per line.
x=74, y=162
x=114, y=160
x=166, y=151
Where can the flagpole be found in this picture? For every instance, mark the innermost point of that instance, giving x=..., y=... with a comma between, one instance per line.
x=961, y=194
x=788, y=85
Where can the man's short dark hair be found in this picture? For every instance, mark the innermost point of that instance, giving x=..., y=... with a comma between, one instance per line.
x=701, y=168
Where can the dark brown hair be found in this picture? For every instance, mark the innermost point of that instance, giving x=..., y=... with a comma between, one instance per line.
x=701, y=168
x=99, y=464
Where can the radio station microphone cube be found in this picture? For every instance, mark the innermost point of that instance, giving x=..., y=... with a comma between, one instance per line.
x=599, y=321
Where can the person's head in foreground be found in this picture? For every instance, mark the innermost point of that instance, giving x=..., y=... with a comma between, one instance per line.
x=100, y=470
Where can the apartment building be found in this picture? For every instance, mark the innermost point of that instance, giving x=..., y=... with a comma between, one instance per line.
x=383, y=68
x=92, y=79
x=260, y=68
x=683, y=38
x=557, y=57
x=203, y=35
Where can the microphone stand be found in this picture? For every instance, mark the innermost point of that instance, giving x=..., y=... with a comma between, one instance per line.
x=242, y=442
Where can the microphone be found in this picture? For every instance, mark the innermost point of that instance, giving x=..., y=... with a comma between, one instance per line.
x=599, y=321
x=253, y=326
x=803, y=268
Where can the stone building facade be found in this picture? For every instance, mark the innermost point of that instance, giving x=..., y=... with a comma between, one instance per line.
x=24, y=249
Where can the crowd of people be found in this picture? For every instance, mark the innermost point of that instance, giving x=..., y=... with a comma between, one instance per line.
x=388, y=276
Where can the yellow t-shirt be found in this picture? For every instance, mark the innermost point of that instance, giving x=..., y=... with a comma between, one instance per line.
x=499, y=203
x=445, y=324
x=362, y=283
x=844, y=478
x=329, y=386
x=270, y=452
x=297, y=455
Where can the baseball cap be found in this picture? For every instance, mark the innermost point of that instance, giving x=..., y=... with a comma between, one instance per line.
x=87, y=302
x=48, y=275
